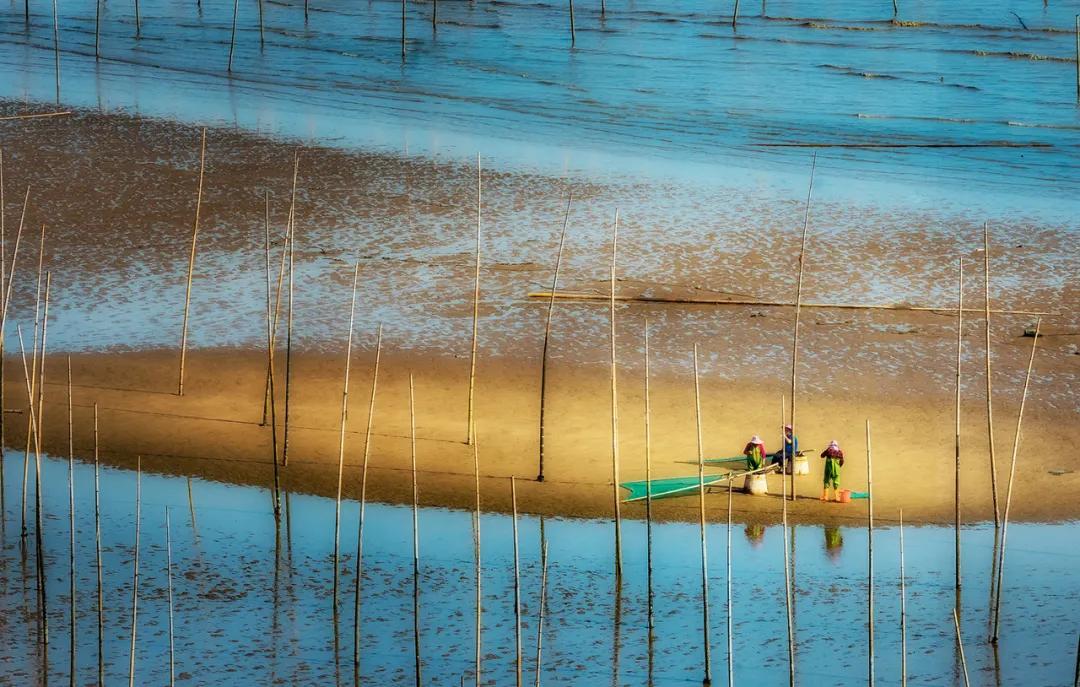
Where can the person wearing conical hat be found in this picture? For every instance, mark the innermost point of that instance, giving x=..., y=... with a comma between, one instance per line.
x=784, y=457
x=834, y=460
x=755, y=453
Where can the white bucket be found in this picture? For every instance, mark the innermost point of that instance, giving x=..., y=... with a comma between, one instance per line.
x=801, y=465
x=756, y=485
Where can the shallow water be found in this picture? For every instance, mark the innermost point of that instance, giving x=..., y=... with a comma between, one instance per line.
x=239, y=620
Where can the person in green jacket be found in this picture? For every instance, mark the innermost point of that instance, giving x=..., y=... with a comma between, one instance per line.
x=755, y=453
x=834, y=460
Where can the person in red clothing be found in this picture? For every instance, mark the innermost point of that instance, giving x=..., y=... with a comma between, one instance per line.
x=755, y=453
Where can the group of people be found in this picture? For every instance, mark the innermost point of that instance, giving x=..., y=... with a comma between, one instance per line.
x=834, y=459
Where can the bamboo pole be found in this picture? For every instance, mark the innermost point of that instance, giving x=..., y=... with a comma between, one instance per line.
x=903, y=608
x=1076, y=673
x=603, y=9
x=168, y=577
x=289, y=324
x=648, y=489
x=517, y=586
x=476, y=555
x=1077, y=18
x=138, y=21
x=666, y=300
x=97, y=557
x=960, y=645
x=97, y=29
x=735, y=14
x=870, y=553
x=262, y=37
x=269, y=368
x=3, y=317
x=35, y=435
x=36, y=115
x=547, y=333
x=707, y=679
x=191, y=263
x=573, y=32
x=615, y=410
x=798, y=314
x=39, y=530
x=402, y=30
x=363, y=508
x=56, y=47
x=543, y=607
x=71, y=530
x=1009, y=490
x=232, y=39
x=305, y=11
x=341, y=438
x=33, y=365
x=286, y=241
x=476, y=307
x=416, y=537
x=959, y=351
x=730, y=623
x=989, y=379
x=787, y=562
x=135, y=574
x=434, y=14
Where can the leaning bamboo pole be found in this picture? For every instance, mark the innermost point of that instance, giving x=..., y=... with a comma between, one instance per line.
x=989, y=379
x=648, y=489
x=363, y=507
x=960, y=646
x=43, y=619
x=135, y=574
x=517, y=585
x=33, y=366
x=97, y=557
x=547, y=333
x=289, y=334
x=341, y=440
x=191, y=263
x=787, y=562
x=269, y=368
x=615, y=409
x=543, y=608
x=39, y=531
x=903, y=608
x=415, y=538
x=168, y=577
x=232, y=39
x=71, y=530
x=5, y=292
x=870, y=554
x=1009, y=490
x=476, y=307
x=701, y=521
x=959, y=351
x=286, y=240
x=798, y=314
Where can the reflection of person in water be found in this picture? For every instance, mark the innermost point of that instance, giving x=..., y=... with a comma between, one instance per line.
x=755, y=533
x=834, y=541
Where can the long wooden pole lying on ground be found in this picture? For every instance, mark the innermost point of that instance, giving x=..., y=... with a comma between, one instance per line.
x=903, y=608
x=97, y=556
x=416, y=538
x=798, y=314
x=363, y=507
x=547, y=333
x=959, y=351
x=270, y=366
x=517, y=586
x=71, y=529
x=787, y=562
x=870, y=553
x=989, y=379
x=135, y=574
x=543, y=610
x=701, y=520
x=36, y=436
x=648, y=489
x=33, y=368
x=341, y=439
x=960, y=645
x=615, y=409
x=168, y=577
x=191, y=263
x=476, y=307
x=1009, y=491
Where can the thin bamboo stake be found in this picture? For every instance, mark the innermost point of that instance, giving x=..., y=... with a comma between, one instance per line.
x=341, y=438
x=648, y=488
x=1008, y=493
x=870, y=552
x=573, y=33
x=71, y=530
x=305, y=11
x=138, y=21
x=33, y=365
x=476, y=307
x=39, y=565
x=479, y=566
x=603, y=298
x=960, y=645
x=1076, y=673
x=39, y=530
x=191, y=263
x=547, y=333
x=135, y=574
x=262, y=37
x=434, y=14
x=289, y=328
x=615, y=410
x=735, y=14
x=517, y=587
x=363, y=508
x=56, y=47
x=707, y=680
x=97, y=556
x=798, y=314
x=269, y=367
x=416, y=536
x=730, y=623
x=168, y=577
x=402, y=30
x=989, y=379
x=232, y=39
x=286, y=241
x=1078, y=97
x=903, y=608
x=543, y=607
x=787, y=562
x=959, y=351
x=97, y=29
